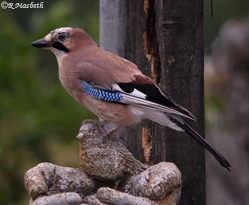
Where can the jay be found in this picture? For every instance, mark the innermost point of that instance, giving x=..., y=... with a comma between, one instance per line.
x=114, y=88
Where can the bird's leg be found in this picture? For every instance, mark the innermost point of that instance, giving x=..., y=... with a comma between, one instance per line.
x=108, y=127
x=109, y=134
x=112, y=131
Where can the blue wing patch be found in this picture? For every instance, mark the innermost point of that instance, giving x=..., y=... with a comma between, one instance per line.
x=105, y=95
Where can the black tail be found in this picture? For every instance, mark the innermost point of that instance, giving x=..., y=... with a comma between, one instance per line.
x=202, y=142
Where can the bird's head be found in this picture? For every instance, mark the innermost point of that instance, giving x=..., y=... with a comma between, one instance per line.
x=64, y=40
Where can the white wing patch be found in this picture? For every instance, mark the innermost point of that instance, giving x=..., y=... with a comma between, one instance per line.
x=135, y=93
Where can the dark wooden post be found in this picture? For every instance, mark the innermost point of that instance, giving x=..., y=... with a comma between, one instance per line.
x=165, y=39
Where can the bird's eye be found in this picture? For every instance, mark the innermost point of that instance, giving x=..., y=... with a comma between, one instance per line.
x=62, y=37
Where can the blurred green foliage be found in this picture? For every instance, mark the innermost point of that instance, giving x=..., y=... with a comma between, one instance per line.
x=38, y=119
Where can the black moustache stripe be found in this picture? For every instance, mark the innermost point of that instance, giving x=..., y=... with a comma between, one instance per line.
x=61, y=47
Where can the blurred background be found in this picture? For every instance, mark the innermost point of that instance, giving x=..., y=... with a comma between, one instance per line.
x=39, y=120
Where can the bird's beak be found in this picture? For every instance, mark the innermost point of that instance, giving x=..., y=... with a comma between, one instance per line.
x=41, y=44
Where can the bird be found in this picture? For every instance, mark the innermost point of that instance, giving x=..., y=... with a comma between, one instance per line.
x=114, y=88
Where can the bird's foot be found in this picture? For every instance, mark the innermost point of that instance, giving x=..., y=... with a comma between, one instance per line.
x=110, y=135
